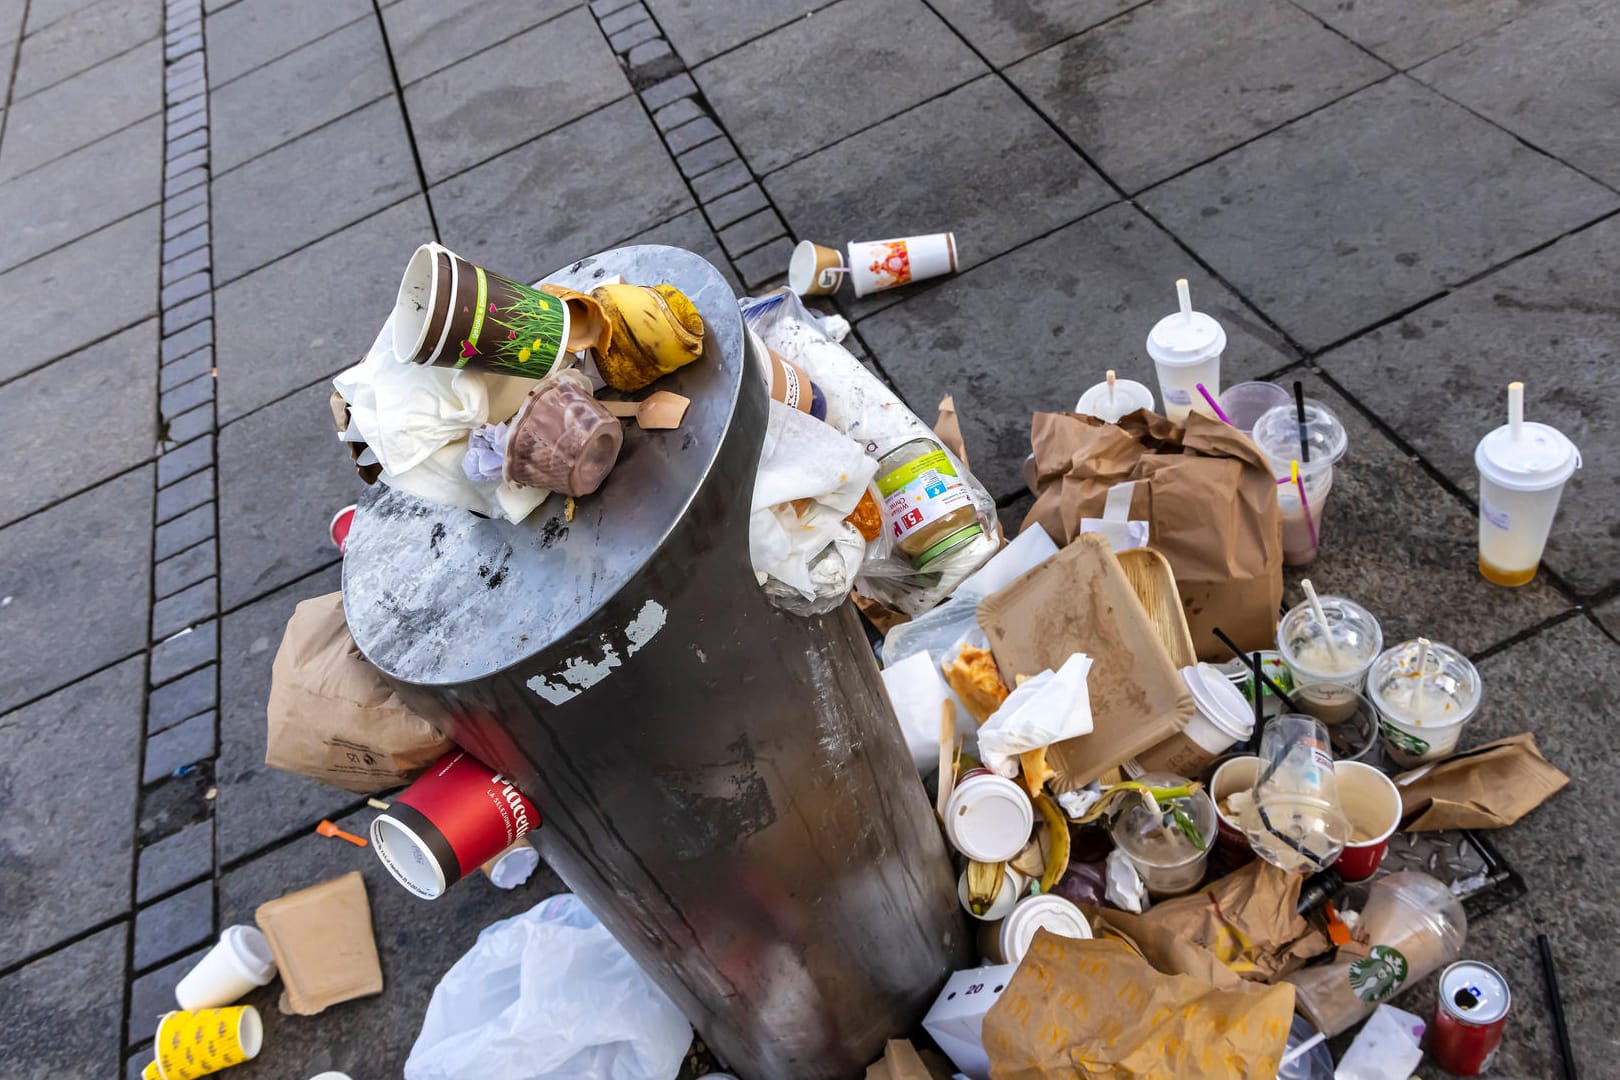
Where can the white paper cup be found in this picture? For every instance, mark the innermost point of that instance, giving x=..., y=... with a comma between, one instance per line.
x=811, y=270
x=1520, y=483
x=1006, y=942
x=1013, y=885
x=875, y=265
x=988, y=817
x=1221, y=717
x=1128, y=396
x=239, y=961
x=1186, y=349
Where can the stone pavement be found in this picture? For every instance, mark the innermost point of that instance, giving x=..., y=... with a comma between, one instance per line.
x=1405, y=205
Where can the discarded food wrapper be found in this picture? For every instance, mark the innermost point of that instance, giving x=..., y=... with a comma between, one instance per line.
x=1116, y=525
x=956, y=1019
x=331, y=715
x=323, y=944
x=1050, y=707
x=917, y=693
x=1389, y=1044
x=1487, y=787
x=1137, y=1022
x=1124, y=888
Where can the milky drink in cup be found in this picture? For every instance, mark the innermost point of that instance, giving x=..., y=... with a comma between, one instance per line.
x=1293, y=817
x=1169, y=848
x=1351, y=719
x=875, y=265
x=1186, y=349
x=1337, y=654
x=1114, y=398
x=1424, y=692
x=1522, y=471
x=1278, y=435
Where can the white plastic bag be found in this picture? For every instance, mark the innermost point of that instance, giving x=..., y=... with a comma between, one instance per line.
x=548, y=995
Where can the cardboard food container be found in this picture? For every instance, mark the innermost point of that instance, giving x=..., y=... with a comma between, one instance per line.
x=1080, y=600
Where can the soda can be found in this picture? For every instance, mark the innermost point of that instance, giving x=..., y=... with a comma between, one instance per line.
x=1469, y=1015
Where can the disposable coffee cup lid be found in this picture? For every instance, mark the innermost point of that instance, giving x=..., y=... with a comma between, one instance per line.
x=1541, y=457
x=1129, y=395
x=248, y=945
x=1045, y=912
x=989, y=818
x=1276, y=433
x=1222, y=703
x=1181, y=340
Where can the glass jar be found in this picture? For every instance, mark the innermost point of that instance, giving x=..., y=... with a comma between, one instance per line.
x=928, y=511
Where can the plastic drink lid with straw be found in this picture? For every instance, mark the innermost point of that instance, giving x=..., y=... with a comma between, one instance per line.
x=1113, y=398
x=1185, y=337
x=1539, y=457
x=1342, y=641
x=1277, y=434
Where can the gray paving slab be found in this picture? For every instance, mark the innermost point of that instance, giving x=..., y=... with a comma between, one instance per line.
x=179, y=747
x=67, y=857
x=315, y=312
x=1424, y=196
x=556, y=186
x=692, y=232
x=527, y=85
x=859, y=62
x=42, y=13
x=1549, y=320
x=151, y=995
x=1405, y=34
x=1075, y=303
x=1608, y=616
x=1006, y=179
x=77, y=578
x=311, y=187
x=175, y=860
x=428, y=35
x=273, y=522
x=79, y=193
x=173, y=925
x=1395, y=541
x=308, y=87
x=48, y=1003
x=1176, y=82
x=416, y=944
x=254, y=32
x=257, y=804
x=34, y=409
x=82, y=40
x=1005, y=33
x=11, y=19
x=701, y=29
x=1548, y=78
x=187, y=649
x=76, y=112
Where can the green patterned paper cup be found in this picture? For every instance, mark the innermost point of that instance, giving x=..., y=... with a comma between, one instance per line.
x=450, y=313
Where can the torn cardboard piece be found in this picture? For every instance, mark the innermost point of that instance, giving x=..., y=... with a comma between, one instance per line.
x=901, y=1061
x=1080, y=601
x=1487, y=787
x=323, y=943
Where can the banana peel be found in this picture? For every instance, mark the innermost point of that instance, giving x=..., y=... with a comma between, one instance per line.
x=652, y=330
x=1056, y=845
x=1116, y=792
x=984, y=884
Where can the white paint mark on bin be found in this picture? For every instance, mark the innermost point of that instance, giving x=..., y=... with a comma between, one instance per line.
x=580, y=673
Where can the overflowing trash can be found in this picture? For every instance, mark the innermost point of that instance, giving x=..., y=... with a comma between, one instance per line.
x=720, y=781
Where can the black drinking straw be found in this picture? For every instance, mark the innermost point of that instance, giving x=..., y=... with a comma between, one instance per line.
x=1299, y=408
x=1238, y=653
x=1555, y=1004
x=1259, y=704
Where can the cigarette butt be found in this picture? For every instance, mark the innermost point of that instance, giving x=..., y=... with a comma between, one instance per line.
x=376, y=804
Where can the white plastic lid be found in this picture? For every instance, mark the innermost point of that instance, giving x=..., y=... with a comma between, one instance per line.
x=1179, y=340
x=252, y=951
x=1541, y=458
x=989, y=818
x=1129, y=395
x=1276, y=433
x=1044, y=912
x=1222, y=703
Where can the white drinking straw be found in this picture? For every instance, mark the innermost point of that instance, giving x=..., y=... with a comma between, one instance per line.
x=1423, y=668
x=1184, y=295
x=1516, y=409
x=1319, y=615
x=1110, y=389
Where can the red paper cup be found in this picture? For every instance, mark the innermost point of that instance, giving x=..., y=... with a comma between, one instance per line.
x=1372, y=802
x=1234, y=774
x=456, y=816
x=342, y=522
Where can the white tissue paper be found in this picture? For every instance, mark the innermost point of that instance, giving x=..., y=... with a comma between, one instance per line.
x=1048, y=708
x=1122, y=885
x=1388, y=1047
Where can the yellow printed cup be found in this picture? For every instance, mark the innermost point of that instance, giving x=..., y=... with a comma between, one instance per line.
x=193, y=1044
x=151, y=1072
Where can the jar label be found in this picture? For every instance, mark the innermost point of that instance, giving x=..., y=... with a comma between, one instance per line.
x=921, y=492
x=1378, y=975
x=1495, y=515
x=1176, y=396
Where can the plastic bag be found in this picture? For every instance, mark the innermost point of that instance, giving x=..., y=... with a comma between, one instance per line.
x=548, y=994
x=861, y=407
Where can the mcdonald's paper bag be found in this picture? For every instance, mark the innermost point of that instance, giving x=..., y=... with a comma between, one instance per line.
x=1095, y=1009
x=1207, y=494
x=1484, y=788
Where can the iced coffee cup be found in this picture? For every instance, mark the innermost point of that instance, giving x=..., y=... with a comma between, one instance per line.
x=1424, y=692
x=1522, y=471
x=1339, y=653
x=1186, y=348
x=1316, y=445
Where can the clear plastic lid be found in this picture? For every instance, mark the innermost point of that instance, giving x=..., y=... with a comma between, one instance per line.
x=1541, y=457
x=1347, y=645
x=1156, y=839
x=1445, y=692
x=1276, y=433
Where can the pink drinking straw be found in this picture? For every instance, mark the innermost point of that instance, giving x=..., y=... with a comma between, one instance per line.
x=1304, y=503
x=1222, y=417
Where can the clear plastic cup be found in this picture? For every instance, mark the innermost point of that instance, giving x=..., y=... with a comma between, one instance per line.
x=1294, y=820
x=1350, y=718
x=1339, y=653
x=1422, y=711
x=1186, y=348
x=1520, y=483
x=1277, y=434
x=1166, y=857
x=1247, y=402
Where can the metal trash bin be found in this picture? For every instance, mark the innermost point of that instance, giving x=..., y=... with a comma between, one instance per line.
x=721, y=782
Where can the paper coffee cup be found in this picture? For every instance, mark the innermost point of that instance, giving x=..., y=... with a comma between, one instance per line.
x=239, y=961
x=450, y=313
x=988, y=818
x=338, y=529
x=455, y=817
x=512, y=867
x=1186, y=350
x=810, y=270
x=1234, y=775
x=876, y=265
x=1373, y=804
x=193, y=1044
x=1521, y=481
x=1220, y=718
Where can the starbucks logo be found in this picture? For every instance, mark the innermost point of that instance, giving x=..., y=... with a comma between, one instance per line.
x=1403, y=741
x=1379, y=975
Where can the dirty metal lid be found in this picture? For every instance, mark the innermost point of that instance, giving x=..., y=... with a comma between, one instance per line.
x=437, y=596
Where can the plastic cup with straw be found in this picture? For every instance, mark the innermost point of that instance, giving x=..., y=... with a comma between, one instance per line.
x=1311, y=458
x=1186, y=348
x=1330, y=641
x=1523, y=467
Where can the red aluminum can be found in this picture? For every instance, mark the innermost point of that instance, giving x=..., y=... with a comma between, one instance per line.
x=1469, y=1015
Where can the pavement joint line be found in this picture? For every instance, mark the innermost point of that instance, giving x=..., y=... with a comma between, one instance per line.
x=291, y=837
x=279, y=56
x=222, y=173
x=74, y=240
x=83, y=71
x=220, y=282
x=511, y=33
x=67, y=943
x=464, y=170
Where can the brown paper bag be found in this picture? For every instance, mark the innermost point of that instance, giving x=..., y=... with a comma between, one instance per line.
x=323, y=943
x=901, y=1061
x=1162, y=947
x=1485, y=788
x=1208, y=496
x=1080, y=600
x=331, y=715
x=1246, y=920
x=1095, y=1009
